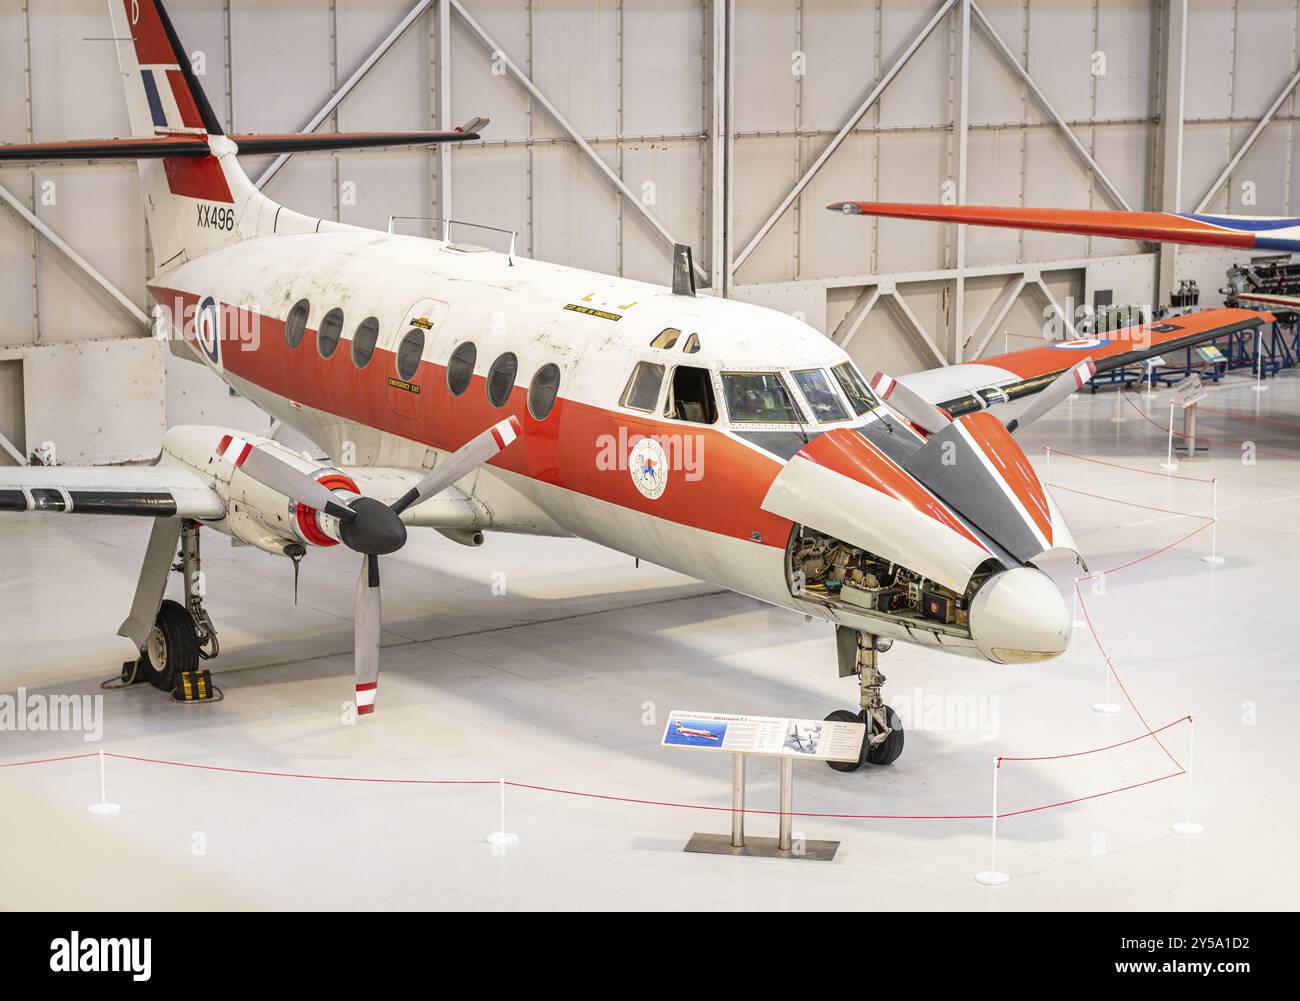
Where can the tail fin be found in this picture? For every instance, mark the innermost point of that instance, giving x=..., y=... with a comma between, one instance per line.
x=194, y=204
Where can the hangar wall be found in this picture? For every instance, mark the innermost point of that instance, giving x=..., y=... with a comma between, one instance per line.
x=710, y=113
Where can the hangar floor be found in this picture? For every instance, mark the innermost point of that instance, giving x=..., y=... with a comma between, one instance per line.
x=553, y=684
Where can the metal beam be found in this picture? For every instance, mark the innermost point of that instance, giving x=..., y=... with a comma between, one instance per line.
x=853, y=319
x=564, y=124
x=1174, y=71
x=1036, y=282
x=7, y=446
x=843, y=133
x=1079, y=148
x=962, y=126
x=996, y=313
x=1250, y=141
x=443, y=151
x=40, y=226
x=719, y=147
x=358, y=75
x=914, y=326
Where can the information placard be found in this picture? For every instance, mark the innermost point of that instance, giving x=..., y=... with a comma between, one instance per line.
x=1188, y=391
x=771, y=735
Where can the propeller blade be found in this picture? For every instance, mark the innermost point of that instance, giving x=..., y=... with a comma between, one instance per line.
x=367, y=621
x=1057, y=390
x=910, y=404
x=274, y=472
x=462, y=462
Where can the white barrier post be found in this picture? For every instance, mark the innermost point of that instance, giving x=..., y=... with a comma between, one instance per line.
x=500, y=839
x=991, y=876
x=1106, y=707
x=1074, y=615
x=1187, y=827
x=1259, y=386
x=1169, y=462
x=103, y=808
x=1214, y=556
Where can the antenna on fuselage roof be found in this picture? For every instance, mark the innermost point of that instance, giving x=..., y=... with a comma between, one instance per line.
x=683, y=270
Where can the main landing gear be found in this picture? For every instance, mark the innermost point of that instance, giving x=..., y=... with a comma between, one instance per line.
x=859, y=653
x=172, y=637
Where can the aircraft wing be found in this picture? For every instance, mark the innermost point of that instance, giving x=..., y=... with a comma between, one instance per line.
x=144, y=491
x=173, y=492
x=1275, y=233
x=966, y=388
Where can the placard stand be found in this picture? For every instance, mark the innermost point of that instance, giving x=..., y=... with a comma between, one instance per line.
x=782, y=846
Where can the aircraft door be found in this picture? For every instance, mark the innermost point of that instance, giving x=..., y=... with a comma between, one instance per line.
x=408, y=377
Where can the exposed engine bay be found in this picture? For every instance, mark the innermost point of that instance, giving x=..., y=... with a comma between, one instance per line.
x=821, y=568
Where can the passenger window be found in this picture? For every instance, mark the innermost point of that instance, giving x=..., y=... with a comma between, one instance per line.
x=642, y=391
x=666, y=338
x=692, y=344
x=816, y=387
x=759, y=398
x=331, y=329
x=460, y=369
x=543, y=390
x=690, y=397
x=408, y=354
x=501, y=379
x=363, y=341
x=296, y=323
x=861, y=398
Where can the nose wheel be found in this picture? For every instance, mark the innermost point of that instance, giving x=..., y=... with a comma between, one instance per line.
x=859, y=654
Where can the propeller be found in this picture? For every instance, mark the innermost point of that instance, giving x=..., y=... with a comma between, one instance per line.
x=368, y=526
x=1056, y=392
x=910, y=404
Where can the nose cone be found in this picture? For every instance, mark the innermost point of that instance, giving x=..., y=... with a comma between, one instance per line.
x=1019, y=617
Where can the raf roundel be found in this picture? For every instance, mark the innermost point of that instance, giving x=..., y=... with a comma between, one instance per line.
x=1081, y=344
x=648, y=466
x=207, y=329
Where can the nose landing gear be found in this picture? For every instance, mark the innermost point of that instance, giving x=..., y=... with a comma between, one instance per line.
x=859, y=654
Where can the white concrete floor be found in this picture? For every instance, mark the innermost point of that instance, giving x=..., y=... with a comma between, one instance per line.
x=565, y=680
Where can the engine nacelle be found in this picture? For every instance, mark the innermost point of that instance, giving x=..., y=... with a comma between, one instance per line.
x=255, y=513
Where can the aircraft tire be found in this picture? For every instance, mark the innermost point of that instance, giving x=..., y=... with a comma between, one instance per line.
x=172, y=647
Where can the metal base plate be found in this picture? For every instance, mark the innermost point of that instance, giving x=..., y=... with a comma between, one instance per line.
x=720, y=844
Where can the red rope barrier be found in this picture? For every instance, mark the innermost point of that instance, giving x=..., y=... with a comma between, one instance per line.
x=1212, y=441
x=46, y=761
x=1131, y=469
x=296, y=775
x=1144, y=507
x=1097, y=750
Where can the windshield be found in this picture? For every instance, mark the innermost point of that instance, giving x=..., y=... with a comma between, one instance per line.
x=861, y=398
x=816, y=387
x=759, y=398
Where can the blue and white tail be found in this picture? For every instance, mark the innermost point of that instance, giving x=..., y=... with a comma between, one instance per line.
x=195, y=203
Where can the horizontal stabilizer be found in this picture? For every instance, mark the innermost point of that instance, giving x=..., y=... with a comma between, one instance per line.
x=169, y=146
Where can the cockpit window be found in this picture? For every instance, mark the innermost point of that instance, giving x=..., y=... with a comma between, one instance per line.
x=642, y=392
x=690, y=396
x=759, y=398
x=861, y=398
x=692, y=344
x=816, y=387
x=666, y=338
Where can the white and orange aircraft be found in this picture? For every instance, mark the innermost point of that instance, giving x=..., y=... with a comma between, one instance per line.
x=467, y=391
